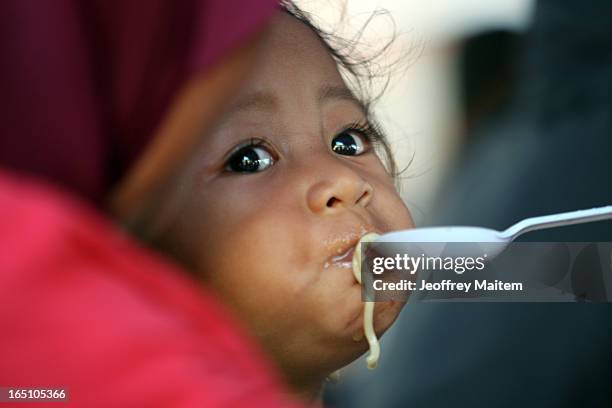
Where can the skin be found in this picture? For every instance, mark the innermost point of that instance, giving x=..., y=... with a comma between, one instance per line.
x=266, y=241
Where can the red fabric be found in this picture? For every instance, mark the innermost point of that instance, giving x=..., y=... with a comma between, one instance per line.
x=85, y=83
x=83, y=307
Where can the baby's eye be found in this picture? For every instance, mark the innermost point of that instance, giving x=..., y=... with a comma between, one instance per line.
x=250, y=159
x=350, y=142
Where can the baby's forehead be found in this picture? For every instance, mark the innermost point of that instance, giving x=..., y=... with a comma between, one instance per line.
x=294, y=38
x=292, y=54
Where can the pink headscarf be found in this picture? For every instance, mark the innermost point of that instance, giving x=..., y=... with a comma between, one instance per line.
x=85, y=83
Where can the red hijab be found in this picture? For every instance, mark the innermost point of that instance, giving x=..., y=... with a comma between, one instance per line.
x=86, y=83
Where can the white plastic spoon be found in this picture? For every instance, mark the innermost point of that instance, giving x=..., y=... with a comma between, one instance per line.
x=486, y=235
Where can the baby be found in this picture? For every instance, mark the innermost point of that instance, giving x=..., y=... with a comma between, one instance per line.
x=281, y=192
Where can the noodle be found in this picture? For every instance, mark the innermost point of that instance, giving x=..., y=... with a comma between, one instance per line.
x=368, y=309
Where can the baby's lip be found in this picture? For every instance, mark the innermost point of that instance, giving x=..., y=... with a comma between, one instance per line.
x=342, y=252
x=344, y=260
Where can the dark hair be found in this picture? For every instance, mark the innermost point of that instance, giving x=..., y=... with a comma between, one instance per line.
x=359, y=72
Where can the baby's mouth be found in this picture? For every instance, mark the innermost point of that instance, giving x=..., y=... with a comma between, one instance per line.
x=345, y=259
x=344, y=247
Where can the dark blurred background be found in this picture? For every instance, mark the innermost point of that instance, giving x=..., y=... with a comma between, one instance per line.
x=534, y=138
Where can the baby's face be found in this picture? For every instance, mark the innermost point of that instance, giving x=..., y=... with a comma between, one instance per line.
x=281, y=192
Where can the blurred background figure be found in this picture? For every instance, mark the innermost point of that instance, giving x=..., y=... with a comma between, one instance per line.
x=529, y=135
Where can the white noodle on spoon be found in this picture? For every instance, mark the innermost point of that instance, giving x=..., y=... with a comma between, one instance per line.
x=368, y=309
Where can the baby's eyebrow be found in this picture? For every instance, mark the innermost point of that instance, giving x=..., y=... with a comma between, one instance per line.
x=257, y=101
x=338, y=92
x=267, y=101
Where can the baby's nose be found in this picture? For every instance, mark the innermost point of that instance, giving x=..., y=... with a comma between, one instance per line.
x=339, y=190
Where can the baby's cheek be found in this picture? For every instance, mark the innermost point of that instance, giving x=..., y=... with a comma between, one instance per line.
x=406, y=221
x=261, y=302
x=395, y=207
x=391, y=212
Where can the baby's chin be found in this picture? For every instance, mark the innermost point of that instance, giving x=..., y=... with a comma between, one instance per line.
x=353, y=342
x=385, y=313
x=338, y=345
